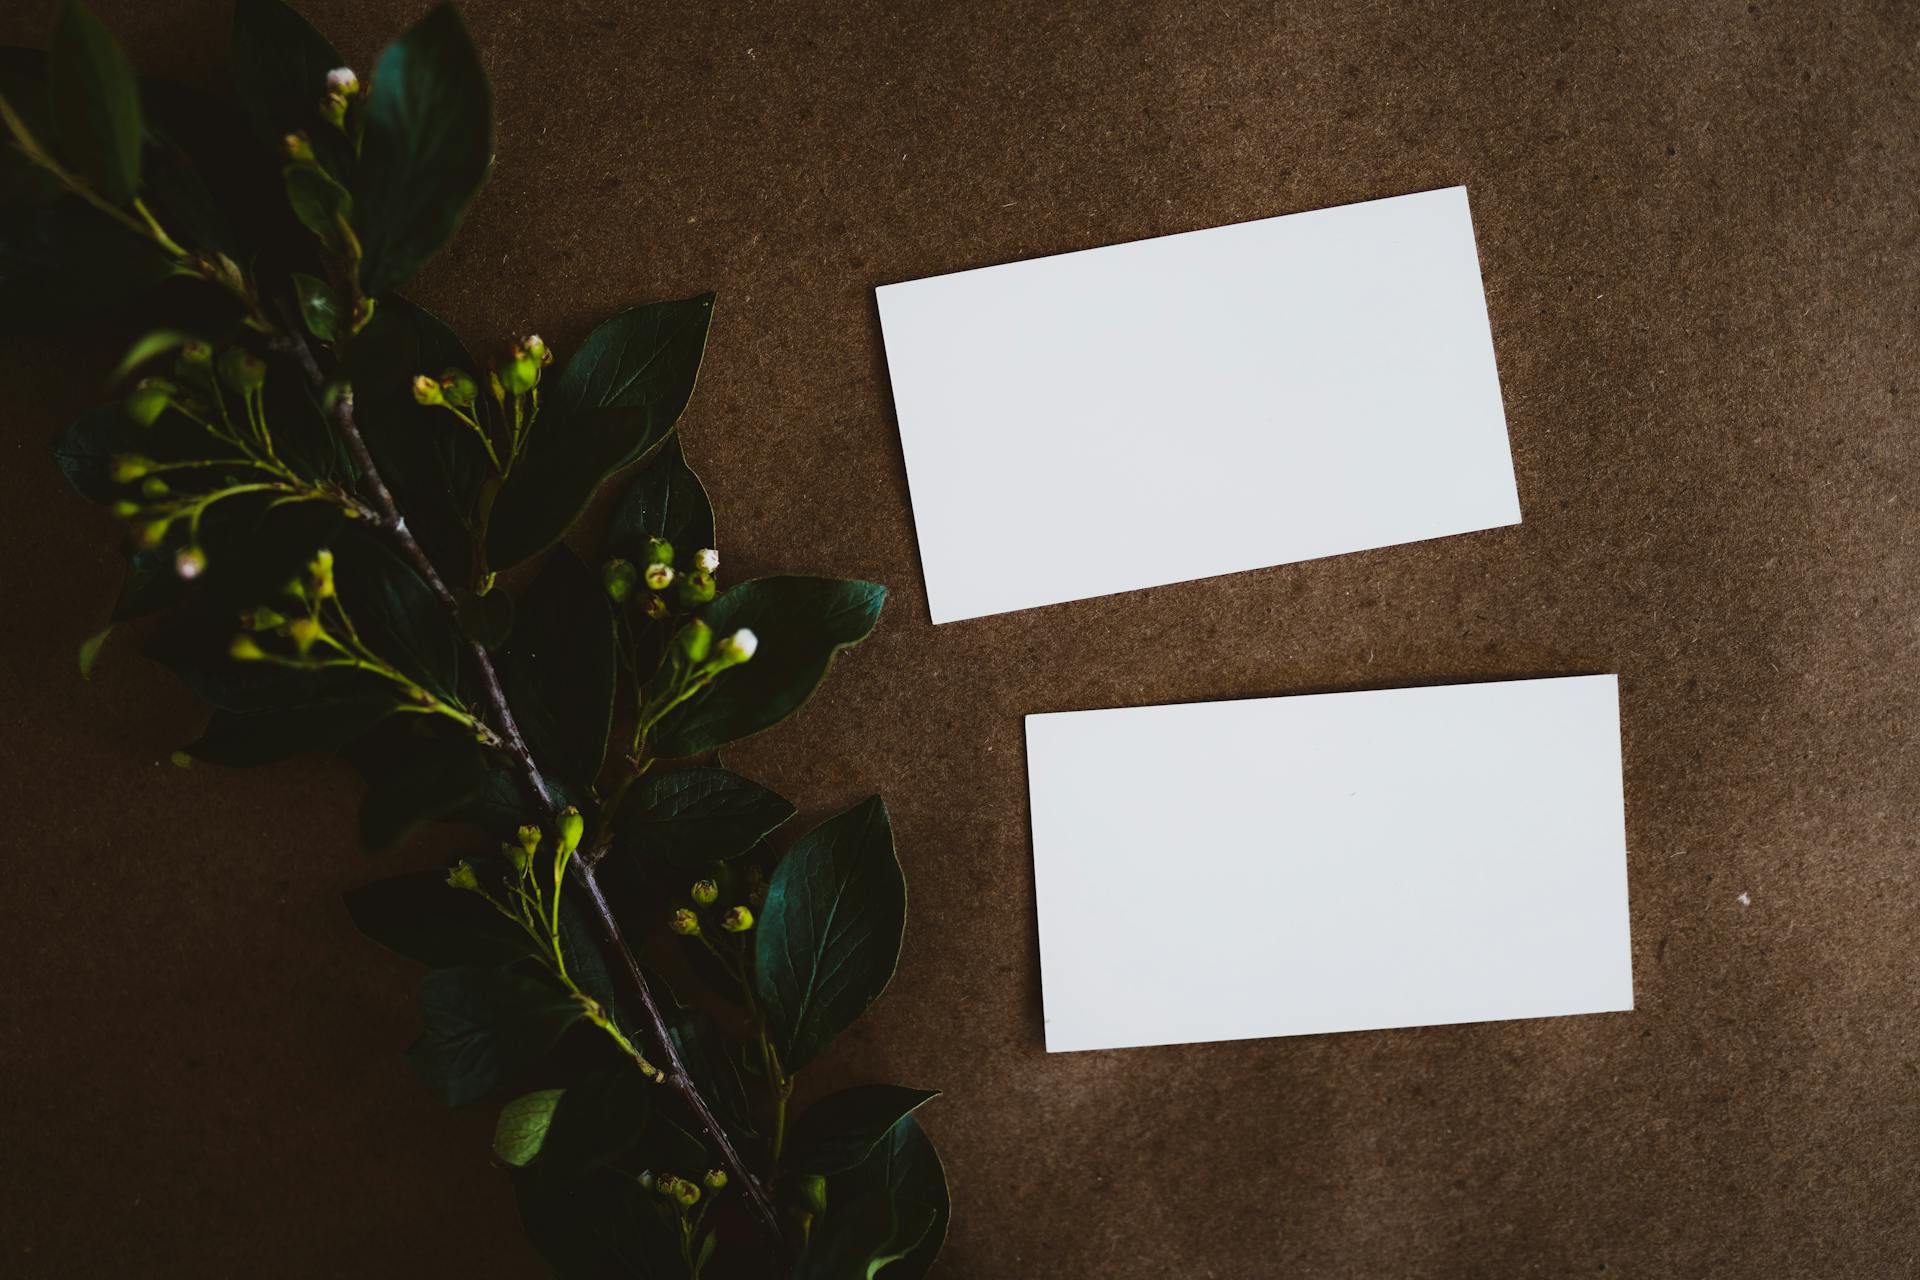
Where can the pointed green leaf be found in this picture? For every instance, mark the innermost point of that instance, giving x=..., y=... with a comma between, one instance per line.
x=95, y=105
x=829, y=934
x=559, y=665
x=801, y=623
x=415, y=775
x=601, y=1117
x=426, y=151
x=686, y=818
x=886, y=1217
x=611, y=404
x=322, y=205
x=837, y=1132
x=396, y=614
x=420, y=916
x=484, y=1027
x=90, y=650
x=321, y=311
x=280, y=66
x=522, y=1127
x=666, y=500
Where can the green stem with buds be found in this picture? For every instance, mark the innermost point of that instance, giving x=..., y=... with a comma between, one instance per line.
x=387, y=519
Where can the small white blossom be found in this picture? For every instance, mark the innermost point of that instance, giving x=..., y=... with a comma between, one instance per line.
x=190, y=563
x=342, y=80
x=739, y=646
x=707, y=560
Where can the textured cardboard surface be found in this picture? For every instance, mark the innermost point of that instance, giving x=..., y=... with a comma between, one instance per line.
x=1697, y=225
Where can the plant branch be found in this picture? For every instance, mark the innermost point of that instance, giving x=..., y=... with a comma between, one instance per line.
x=388, y=519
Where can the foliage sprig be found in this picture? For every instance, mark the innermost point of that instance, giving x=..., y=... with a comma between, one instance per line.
x=346, y=534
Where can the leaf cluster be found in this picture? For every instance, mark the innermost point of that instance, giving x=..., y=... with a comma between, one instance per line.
x=345, y=532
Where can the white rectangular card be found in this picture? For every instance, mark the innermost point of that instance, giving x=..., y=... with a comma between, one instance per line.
x=1198, y=404
x=1338, y=862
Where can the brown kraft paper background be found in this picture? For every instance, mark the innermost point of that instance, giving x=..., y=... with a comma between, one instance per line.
x=1697, y=225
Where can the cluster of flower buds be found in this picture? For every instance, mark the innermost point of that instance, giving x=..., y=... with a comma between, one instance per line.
x=682, y=1193
x=686, y=921
x=520, y=372
x=687, y=587
x=303, y=630
x=454, y=387
x=342, y=88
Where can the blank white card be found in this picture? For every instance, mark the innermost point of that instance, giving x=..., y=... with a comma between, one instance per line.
x=1339, y=862
x=1198, y=404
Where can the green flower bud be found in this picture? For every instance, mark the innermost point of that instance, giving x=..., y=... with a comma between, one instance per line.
x=572, y=826
x=427, y=392
x=705, y=892
x=696, y=640
x=261, y=618
x=685, y=1193
x=646, y=1179
x=684, y=923
x=716, y=1179
x=459, y=387
x=322, y=571
x=153, y=487
x=242, y=371
x=128, y=467
x=190, y=563
x=152, y=533
x=333, y=108
x=736, y=648
x=659, y=576
x=245, y=649
x=303, y=632
x=299, y=149
x=149, y=399
x=659, y=551
x=737, y=920
x=529, y=837
x=125, y=509
x=514, y=854
x=811, y=1191
x=462, y=876
x=696, y=587
x=196, y=354
x=619, y=578
x=521, y=373
x=656, y=608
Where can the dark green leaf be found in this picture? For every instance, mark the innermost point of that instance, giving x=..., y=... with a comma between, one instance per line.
x=486, y=619
x=666, y=500
x=434, y=463
x=612, y=403
x=325, y=318
x=418, y=915
x=65, y=261
x=415, y=777
x=522, y=1127
x=599, y=1119
x=322, y=205
x=426, y=151
x=829, y=934
x=600, y=1226
x=687, y=818
x=801, y=623
x=558, y=668
x=396, y=613
x=714, y=1061
x=243, y=739
x=484, y=1027
x=837, y=1132
x=280, y=66
x=150, y=584
x=886, y=1216
x=95, y=105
